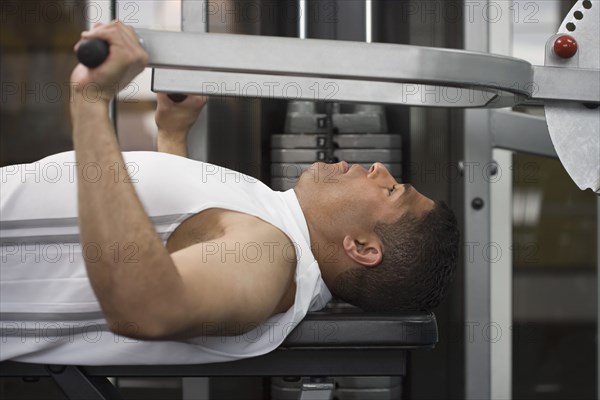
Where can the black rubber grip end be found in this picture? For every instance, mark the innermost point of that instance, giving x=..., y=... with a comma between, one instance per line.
x=92, y=53
x=176, y=97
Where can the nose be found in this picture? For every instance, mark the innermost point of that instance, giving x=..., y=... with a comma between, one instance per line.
x=377, y=170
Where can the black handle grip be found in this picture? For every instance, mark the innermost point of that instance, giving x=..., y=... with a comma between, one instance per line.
x=176, y=97
x=93, y=52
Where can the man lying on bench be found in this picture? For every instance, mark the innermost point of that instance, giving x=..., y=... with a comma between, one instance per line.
x=105, y=253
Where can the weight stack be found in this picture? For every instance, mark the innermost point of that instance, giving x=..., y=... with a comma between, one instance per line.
x=346, y=388
x=358, y=136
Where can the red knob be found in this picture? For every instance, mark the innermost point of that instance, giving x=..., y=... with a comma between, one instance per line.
x=565, y=46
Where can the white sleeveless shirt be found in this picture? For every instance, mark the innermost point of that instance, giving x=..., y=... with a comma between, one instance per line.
x=48, y=310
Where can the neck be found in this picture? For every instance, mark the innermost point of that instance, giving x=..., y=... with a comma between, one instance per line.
x=323, y=246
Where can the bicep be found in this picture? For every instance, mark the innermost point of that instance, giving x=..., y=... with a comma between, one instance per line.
x=231, y=284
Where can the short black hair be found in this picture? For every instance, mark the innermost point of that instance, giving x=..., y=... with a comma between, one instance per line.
x=419, y=259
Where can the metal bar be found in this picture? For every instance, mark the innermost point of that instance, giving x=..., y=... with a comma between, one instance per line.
x=335, y=59
x=78, y=386
x=320, y=89
x=503, y=81
x=521, y=132
x=556, y=83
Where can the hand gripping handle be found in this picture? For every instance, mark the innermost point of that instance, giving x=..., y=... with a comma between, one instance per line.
x=94, y=52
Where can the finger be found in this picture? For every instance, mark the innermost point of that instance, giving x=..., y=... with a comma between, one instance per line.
x=131, y=40
x=114, y=34
x=164, y=102
x=81, y=39
x=96, y=27
x=127, y=33
x=201, y=100
x=129, y=30
x=100, y=32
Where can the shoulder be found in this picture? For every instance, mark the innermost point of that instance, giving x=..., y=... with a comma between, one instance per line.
x=254, y=231
x=238, y=279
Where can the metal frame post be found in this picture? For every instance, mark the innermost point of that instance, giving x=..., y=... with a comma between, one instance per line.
x=477, y=155
x=501, y=298
x=194, y=18
x=501, y=194
x=302, y=19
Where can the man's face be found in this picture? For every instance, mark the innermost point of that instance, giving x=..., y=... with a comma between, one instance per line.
x=356, y=197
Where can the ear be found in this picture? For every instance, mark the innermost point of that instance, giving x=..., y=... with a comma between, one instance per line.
x=367, y=252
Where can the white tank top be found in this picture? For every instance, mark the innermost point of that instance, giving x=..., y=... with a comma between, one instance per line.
x=48, y=311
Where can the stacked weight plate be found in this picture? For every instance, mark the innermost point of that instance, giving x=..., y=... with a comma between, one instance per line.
x=305, y=142
x=361, y=137
x=346, y=388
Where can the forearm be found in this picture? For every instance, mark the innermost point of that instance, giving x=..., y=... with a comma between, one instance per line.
x=128, y=266
x=172, y=143
x=174, y=121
